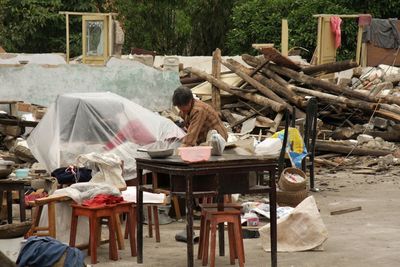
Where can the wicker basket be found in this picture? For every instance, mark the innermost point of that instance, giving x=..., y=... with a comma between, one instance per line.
x=287, y=185
x=14, y=230
x=290, y=198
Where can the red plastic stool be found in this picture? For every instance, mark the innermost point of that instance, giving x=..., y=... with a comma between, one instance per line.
x=95, y=214
x=211, y=217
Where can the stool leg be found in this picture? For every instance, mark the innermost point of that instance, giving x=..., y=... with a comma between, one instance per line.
x=35, y=220
x=239, y=243
x=74, y=224
x=176, y=207
x=21, y=200
x=51, y=213
x=206, y=242
x=156, y=223
x=150, y=221
x=126, y=229
x=213, y=242
x=120, y=238
x=202, y=232
x=93, y=223
x=232, y=249
x=113, y=244
x=131, y=226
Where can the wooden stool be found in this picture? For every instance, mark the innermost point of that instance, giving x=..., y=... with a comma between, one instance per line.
x=95, y=214
x=151, y=209
x=8, y=185
x=206, y=205
x=128, y=208
x=212, y=217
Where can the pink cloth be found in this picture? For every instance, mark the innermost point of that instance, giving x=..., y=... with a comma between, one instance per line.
x=135, y=132
x=335, y=28
x=364, y=20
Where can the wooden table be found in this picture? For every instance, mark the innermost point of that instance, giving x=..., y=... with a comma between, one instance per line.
x=9, y=185
x=218, y=166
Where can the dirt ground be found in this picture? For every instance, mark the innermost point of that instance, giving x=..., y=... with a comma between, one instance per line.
x=370, y=237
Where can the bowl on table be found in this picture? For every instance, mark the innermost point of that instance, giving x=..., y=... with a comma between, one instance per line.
x=6, y=167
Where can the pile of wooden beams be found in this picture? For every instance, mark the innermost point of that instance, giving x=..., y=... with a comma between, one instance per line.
x=275, y=83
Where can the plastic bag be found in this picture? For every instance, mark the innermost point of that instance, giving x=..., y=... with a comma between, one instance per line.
x=217, y=142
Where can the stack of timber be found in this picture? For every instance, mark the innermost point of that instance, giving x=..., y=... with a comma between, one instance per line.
x=362, y=104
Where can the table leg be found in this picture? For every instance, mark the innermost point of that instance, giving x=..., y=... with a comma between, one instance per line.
x=189, y=220
x=9, y=206
x=139, y=202
x=273, y=233
x=221, y=226
x=22, y=214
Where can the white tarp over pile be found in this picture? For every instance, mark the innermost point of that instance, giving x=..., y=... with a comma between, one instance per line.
x=81, y=123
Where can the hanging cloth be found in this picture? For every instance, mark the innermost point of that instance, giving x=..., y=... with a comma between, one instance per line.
x=335, y=28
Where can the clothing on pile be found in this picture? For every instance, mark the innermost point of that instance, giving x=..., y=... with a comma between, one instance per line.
x=102, y=200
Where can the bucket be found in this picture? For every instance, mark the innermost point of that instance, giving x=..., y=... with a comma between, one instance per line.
x=171, y=63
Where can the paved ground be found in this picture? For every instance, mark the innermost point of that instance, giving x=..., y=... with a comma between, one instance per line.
x=370, y=237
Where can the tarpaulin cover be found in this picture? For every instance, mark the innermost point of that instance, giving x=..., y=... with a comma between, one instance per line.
x=81, y=123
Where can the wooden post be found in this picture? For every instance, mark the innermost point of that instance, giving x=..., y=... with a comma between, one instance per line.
x=67, y=36
x=359, y=43
x=216, y=73
x=284, y=37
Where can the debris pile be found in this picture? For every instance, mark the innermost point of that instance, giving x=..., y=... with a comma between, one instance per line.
x=365, y=103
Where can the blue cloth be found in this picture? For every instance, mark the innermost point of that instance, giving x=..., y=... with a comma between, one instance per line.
x=46, y=251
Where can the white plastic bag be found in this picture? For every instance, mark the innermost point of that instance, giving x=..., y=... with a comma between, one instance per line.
x=269, y=147
x=217, y=142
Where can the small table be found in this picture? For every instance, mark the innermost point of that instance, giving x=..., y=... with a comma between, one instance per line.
x=216, y=165
x=9, y=185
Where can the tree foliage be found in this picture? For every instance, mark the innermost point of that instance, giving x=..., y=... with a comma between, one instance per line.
x=184, y=27
x=34, y=26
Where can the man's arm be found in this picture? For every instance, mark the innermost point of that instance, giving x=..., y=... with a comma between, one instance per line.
x=195, y=125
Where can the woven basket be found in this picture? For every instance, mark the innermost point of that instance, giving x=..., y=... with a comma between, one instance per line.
x=14, y=230
x=287, y=185
x=290, y=198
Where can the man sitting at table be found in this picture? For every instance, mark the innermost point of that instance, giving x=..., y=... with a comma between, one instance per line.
x=199, y=118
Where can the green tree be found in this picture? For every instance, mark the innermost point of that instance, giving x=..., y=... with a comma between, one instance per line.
x=210, y=20
x=34, y=26
x=162, y=26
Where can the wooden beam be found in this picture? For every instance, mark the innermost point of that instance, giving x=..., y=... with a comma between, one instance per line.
x=337, y=147
x=256, y=98
x=86, y=13
x=216, y=73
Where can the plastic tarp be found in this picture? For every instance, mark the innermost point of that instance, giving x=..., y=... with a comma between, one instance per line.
x=82, y=123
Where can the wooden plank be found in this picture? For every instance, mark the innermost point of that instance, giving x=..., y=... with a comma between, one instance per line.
x=285, y=38
x=272, y=54
x=67, y=37
x=343, y=211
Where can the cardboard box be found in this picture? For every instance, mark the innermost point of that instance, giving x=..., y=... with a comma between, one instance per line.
x=24, y=107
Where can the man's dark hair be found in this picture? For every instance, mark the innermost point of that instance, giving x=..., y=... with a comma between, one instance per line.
x=182, y=96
